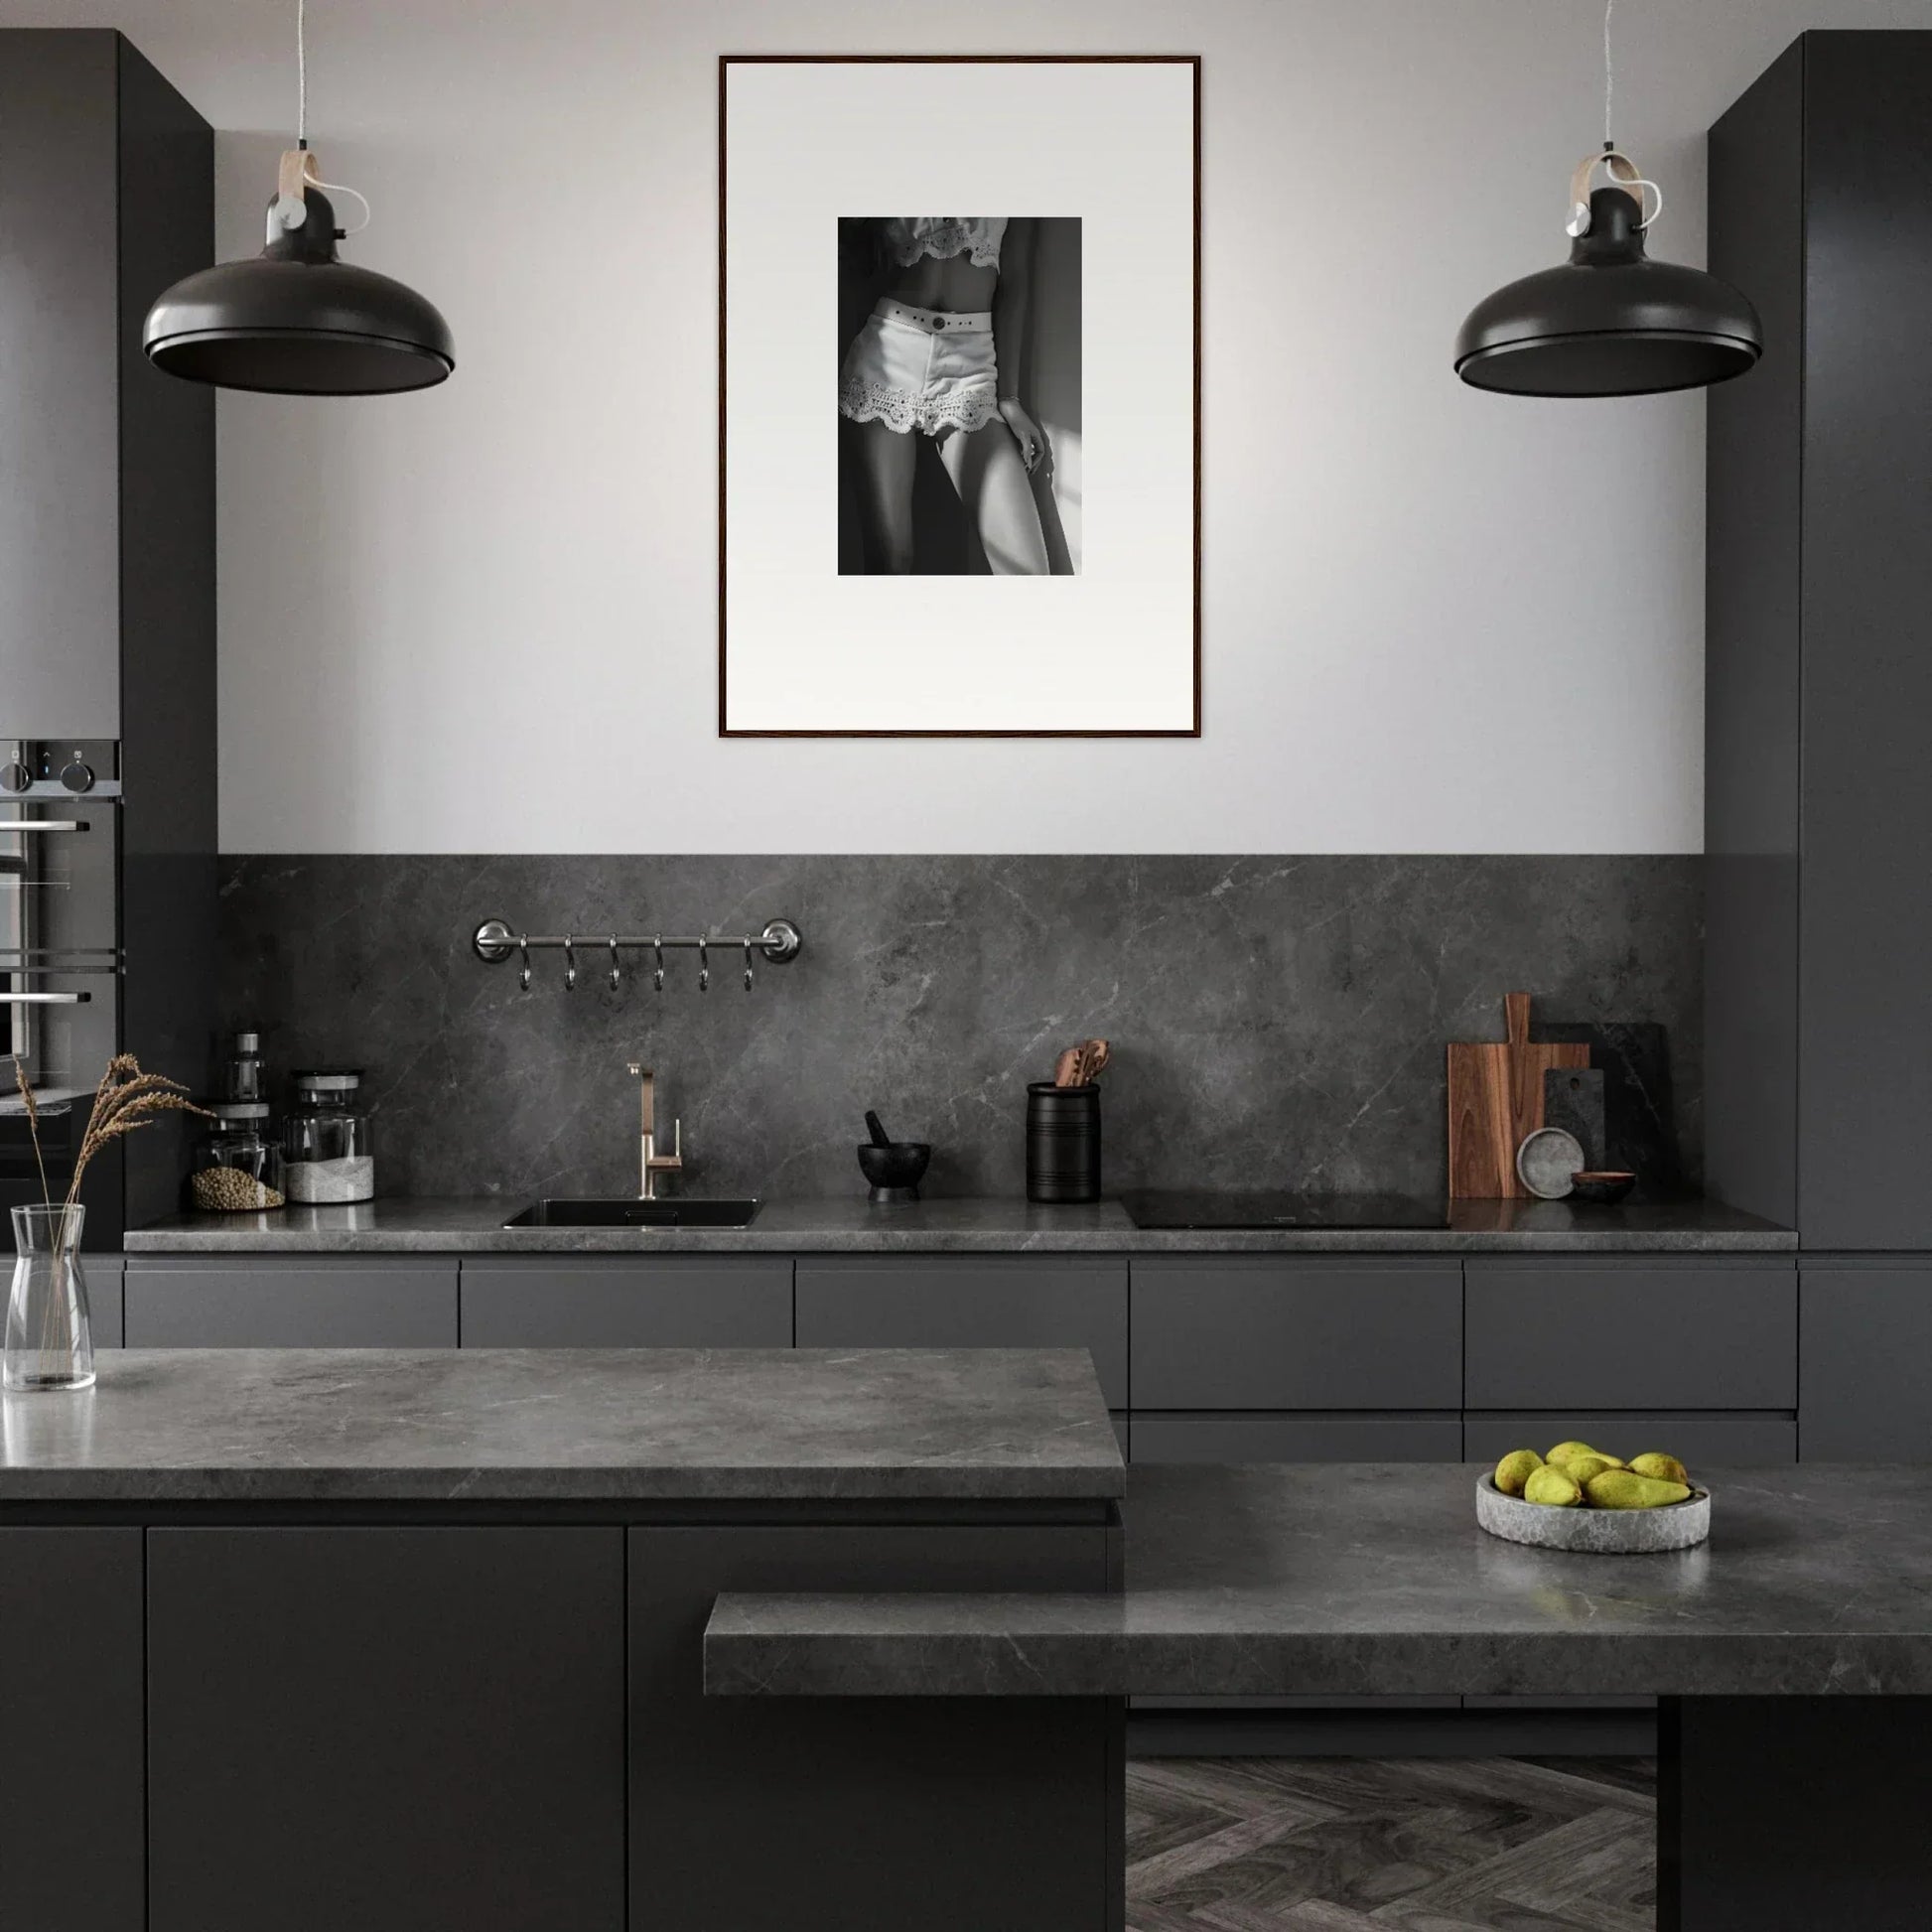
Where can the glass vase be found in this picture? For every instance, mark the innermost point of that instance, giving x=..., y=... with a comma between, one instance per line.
x=49, y=1338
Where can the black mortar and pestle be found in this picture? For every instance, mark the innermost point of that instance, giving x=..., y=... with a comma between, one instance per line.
x=892, y=1167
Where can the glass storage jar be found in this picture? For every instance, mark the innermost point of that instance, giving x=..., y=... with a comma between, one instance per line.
x=241, y=1073
x=330, y=1154
x=239, y=1166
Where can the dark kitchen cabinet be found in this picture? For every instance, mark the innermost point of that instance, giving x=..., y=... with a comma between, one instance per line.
x=282, y=1302
x=614, y=1301
x=961, y=1301
x=73, y=1832
x=107, y=579
x=398, y=1729
x=1819, y=684
x=1866, y=1354
x=104, y=1274
x=1273, y=1332
x=724, y=1835
x=1233, y=1437
x=1735, y=1439
x=1655, y=1333
x=106, y=466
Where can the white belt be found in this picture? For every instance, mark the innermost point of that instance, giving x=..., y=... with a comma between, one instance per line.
x=937, y=321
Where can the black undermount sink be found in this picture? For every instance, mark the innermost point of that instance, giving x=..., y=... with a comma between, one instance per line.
x=633, y=1213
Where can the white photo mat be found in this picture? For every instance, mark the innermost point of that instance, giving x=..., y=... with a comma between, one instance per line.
x=805, y=650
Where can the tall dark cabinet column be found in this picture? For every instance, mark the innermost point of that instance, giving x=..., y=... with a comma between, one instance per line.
x=1819, y=720
x=107, y=564
x=1819, y=694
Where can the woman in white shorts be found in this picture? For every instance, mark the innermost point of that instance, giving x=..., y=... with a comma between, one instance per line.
x=923, y=363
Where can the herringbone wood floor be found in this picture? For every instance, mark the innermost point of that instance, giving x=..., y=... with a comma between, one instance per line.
x=1385, y=1845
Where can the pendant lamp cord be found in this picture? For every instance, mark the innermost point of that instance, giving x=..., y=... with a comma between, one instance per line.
x=1609, y=74
x=293, y=217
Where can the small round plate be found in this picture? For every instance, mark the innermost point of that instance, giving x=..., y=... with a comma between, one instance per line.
x=1595, y=1532
x=1545, y=1162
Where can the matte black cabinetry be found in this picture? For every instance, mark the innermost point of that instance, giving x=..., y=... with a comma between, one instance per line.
x=1662, y=1334
x=613, y=1301
x=1866, y=1355
x=1819, y=681
x=73, y=1831
x=1700, y=1437
x=959, y=1301
x=1232, y=1437
x=1277, y=1333
x=407, y=1730
x=108, y=571
x=106, y=466
x=1029, y=1774
x=273, y=1301
x=104, y=1274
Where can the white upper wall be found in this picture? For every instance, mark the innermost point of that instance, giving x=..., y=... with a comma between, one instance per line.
x=482, y=618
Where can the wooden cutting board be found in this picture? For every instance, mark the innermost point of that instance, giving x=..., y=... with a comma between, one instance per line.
x=1495, y=1099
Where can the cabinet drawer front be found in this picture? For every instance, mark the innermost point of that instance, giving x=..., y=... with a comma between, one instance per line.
x=1868, y=1365
x=595, y=1302
x=262, y=1303
x=944, y=1303
x=1702, y=1441
x=104, y=1297
x=309, y=1689
x=1642, y=1334
x=1297, y=1438
x=1270, y=1334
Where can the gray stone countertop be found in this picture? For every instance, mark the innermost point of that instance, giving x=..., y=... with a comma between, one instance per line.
x=1370, y=1579
x=543, y=1424
x=958, y=1226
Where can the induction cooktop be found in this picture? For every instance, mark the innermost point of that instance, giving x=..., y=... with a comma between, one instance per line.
x=1159, y=1209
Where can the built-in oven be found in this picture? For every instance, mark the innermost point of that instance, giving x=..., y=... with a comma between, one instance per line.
x=59, y=954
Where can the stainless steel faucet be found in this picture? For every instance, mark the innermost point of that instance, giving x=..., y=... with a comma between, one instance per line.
x=651, y=1163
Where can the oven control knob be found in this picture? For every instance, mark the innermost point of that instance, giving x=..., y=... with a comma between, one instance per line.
x=78, y=776
x=15, y=776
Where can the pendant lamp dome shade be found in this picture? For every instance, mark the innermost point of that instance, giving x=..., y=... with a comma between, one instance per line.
x=297, y=319
x=1609, y=321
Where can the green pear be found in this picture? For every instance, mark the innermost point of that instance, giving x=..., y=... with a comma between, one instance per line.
x=1550, y=1485
x=1666, y=1469
x=1623, y=1489
x=1515, y=1469
x=1579, y=1468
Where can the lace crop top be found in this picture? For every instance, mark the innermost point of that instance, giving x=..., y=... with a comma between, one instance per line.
x=909, y=237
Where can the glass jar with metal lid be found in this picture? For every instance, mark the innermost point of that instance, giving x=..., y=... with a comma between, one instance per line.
x=330, y=1154
x=238, y=1164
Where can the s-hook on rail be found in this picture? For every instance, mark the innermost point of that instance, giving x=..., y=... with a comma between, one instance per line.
x=495, y=940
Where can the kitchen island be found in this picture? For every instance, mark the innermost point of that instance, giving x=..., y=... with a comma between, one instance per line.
x=395, y=1639
x=1793, y=1651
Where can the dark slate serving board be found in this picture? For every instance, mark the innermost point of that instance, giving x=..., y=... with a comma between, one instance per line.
x=1638, y=1122
x=1572, y=1099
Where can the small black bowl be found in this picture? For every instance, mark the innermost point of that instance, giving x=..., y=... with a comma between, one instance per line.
x=1603, y=1187
x=896, y=1168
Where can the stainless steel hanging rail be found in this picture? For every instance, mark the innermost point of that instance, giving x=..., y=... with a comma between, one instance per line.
x=495, y=940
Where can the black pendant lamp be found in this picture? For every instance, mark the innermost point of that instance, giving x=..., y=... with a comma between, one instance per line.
x=298, y=321
x=1609, y=321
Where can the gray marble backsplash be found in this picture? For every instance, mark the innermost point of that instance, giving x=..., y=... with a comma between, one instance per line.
x=1276, y=1022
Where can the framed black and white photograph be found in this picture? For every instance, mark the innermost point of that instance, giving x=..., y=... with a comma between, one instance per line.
x=959, y=454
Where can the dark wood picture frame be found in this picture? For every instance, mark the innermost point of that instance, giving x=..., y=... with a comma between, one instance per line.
x=725, y=61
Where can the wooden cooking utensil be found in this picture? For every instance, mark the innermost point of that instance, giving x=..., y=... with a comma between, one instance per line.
x=1495, y=1099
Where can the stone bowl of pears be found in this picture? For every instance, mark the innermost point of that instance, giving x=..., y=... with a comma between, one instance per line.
x=1580, y=1498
